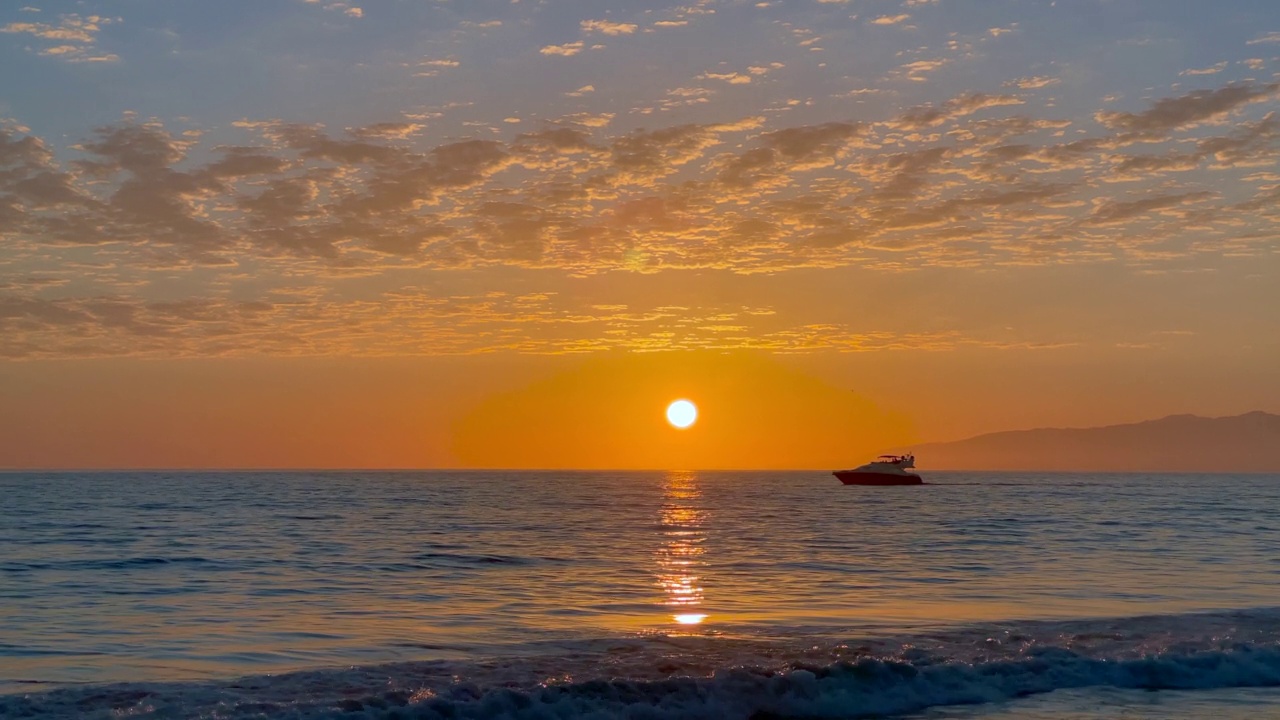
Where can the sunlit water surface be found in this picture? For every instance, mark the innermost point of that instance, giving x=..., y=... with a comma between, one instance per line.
x=177, y=577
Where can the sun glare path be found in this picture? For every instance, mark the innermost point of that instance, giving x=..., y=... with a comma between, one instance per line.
x=691, y=618
x=682, y=413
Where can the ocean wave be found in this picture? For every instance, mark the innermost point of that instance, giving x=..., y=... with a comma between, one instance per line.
x=674, y=677
x=471, y=560
x=861, y=689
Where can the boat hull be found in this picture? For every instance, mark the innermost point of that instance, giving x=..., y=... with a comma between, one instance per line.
x=855, y=477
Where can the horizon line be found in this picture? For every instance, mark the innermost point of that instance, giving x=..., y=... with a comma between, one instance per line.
x=212, y=470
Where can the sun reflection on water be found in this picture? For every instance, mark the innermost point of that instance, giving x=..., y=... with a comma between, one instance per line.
x=680, y=557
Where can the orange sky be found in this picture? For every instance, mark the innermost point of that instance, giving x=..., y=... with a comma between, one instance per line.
x=508, y=234
x=757, y=410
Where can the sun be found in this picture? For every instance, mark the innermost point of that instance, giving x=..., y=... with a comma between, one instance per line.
x=682, y=413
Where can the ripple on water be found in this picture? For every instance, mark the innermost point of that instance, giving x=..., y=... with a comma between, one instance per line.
x=185, y=575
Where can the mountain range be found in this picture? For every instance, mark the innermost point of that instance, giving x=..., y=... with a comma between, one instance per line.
x=1177, y=443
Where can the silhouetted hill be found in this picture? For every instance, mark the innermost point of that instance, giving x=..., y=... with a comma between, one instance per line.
x=1178, y=443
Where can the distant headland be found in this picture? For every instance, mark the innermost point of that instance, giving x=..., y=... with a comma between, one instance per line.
x=1177, y=443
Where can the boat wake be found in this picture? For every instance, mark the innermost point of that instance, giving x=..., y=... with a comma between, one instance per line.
x=700, y=676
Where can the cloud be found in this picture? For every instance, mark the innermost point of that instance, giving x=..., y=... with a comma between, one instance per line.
x=1273, y=37
x=607, y=27
x=936, y=185
x=733, y=78
x=891, y=19
x=783, y=152
x=1032, y=83
x=1187, y=110
x=411, y=321
x=919, y=70
x=388, y=130
x=1211, y=70
x=30, y=181
x=688, y=92
x=1113, y=212
x=74, y=37
x=567, y=49
x=590, y=120
x=345, y=8
x=443, y=62
x=1248, y=145
x=642, y=156
x=931, y=116
x=72, y=28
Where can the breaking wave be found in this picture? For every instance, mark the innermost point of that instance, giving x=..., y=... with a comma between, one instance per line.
x=665, y=677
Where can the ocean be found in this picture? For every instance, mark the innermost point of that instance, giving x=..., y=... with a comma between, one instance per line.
x=639, y=595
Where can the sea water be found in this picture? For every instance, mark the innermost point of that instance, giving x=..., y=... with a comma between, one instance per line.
x=658, y=595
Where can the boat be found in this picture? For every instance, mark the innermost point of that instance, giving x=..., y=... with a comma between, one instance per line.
x=884, y=470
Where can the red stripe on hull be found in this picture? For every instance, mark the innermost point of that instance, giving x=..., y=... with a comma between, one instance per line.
x=849, y=477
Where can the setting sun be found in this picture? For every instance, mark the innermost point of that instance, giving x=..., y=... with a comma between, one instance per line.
x=682, y=413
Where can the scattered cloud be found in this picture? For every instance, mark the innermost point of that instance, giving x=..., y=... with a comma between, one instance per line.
x=435, y=65
x=411, y=321
x=733, y=78
x=1211, y=70
x=289, y=235
x=1110, y=212
x=567, y=49
x=388, y=131
x=920, y=69
x=573, y=195
x=590, y=120
x=71, y=39
x=932, y=116
x=608, y=27
x=345, y=8
x=1032, y=83
x=1188, y=110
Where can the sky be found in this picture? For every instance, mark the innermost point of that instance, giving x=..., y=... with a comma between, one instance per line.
x=436, y=233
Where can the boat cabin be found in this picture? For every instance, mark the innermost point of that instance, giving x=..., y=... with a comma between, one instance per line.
x=907, y=460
